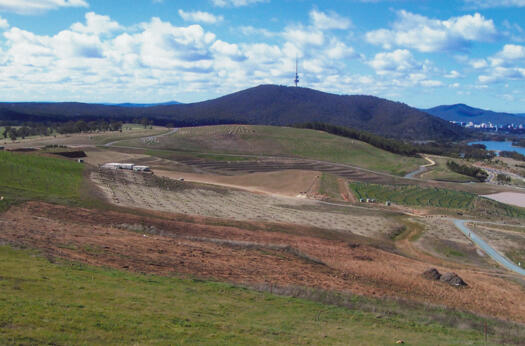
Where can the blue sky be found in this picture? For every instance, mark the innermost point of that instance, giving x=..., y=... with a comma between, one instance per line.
x=424, y=53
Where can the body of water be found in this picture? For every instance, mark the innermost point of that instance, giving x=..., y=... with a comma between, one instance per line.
x=500, y=146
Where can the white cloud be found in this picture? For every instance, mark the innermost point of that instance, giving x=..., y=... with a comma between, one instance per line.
x=200, y=17
x=431, y=35
x=96, y=24
x=38, y=6
x=249, y=30
x=3, y=23
x=507, y=64
x=235, y=3
x=400, y=68
x=495, y=3
x=453, y=74
x=99, y=59
x=329, y=20
x=398, y=61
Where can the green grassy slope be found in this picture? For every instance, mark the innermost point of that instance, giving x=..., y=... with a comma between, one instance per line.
x=67, y=303
x=413, y=195
x=441, y=172
x=283, y=141
x=28, y=176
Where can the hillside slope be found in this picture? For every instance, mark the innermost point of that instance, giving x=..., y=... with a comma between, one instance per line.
x=465, y=113
x=263, y=105
x=281, y=141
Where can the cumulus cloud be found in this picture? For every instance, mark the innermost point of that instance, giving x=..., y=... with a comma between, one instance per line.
x=38, y=6
x=507, y=64
x=200, y=17
x=100, y=59
x=329, y=20
x=96, y=24
x=235, y=3
x=403, y=69
x=432, y=35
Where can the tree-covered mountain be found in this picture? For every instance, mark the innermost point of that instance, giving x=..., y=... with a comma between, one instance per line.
x=265, y=104
x=464, y=113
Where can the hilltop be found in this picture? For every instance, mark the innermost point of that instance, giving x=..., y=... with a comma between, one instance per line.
x=262, y=105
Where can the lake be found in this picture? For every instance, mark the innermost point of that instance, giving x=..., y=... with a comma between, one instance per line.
x=500, y=146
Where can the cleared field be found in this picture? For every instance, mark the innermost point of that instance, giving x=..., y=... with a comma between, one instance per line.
x=414, y=195
x=282, y=141
x=99, y=156
x=441, y=172
x=290, y=183
x=150, y=192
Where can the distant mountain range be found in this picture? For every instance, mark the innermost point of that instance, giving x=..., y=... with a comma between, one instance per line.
x=464, y=113
x=142, y=105
x=265, y=105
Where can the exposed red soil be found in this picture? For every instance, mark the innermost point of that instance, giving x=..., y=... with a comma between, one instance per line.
x=247, y=256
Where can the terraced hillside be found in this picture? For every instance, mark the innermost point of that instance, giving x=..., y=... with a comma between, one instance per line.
x=280, y=141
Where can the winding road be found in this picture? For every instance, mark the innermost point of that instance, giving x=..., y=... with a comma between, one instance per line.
x=461, y=225
x=421, y=169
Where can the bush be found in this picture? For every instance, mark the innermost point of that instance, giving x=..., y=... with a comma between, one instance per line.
x=470, y=171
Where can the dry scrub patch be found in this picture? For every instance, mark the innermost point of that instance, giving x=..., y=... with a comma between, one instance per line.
x=154, y=193
x=167, y=247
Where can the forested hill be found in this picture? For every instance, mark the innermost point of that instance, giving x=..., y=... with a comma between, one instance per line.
x=265, y=104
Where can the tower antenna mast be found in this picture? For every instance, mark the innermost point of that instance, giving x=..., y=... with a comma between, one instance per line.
x=296, y=72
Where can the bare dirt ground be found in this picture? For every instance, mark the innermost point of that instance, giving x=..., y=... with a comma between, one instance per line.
x=162, y=245
x=150, y=192
x=98, y=156
x=285, y=183
x=512, y=198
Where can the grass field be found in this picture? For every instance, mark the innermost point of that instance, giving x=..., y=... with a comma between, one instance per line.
x=130, y=131
x=28, y=176
x=414, y=195
x=67, y=303
x=283, y=141
x=441, y=172
x=329, y=186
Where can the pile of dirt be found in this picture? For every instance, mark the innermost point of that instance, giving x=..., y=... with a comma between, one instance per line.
x=432, y=274
x=453, y=279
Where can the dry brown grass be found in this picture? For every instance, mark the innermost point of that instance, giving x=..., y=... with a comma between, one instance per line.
x=250, y=256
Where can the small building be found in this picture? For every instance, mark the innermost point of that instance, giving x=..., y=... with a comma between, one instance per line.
x=388, y=203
